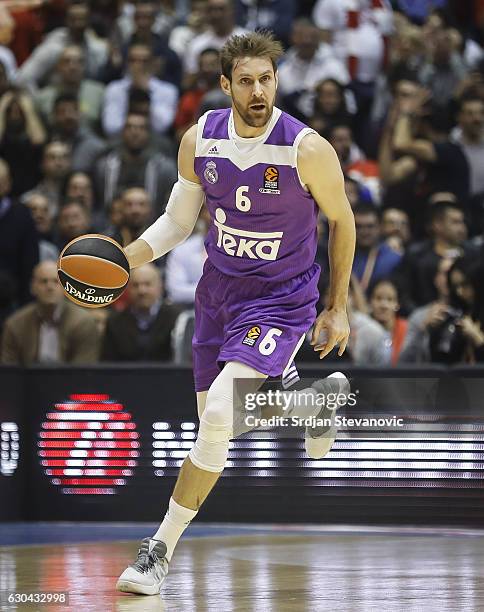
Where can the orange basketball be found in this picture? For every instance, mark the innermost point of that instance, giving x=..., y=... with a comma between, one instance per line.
x=93, y=270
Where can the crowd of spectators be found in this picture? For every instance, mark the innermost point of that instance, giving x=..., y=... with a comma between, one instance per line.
x=96, y=95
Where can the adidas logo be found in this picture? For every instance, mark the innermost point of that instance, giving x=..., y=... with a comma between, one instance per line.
x=213, y=151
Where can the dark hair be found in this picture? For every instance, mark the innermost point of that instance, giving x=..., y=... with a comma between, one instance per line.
x=328, y=133
x=468, y=97
x=473, y=273
x=365, y=208
x=74, y=202
x=334, y=82
x=253, y=44
x=384, y=281
x=138, y=96
x=437, y=117
x=67, y=180
x=66, y=97
x=401, y=72
x=209, y=50
x=460, y=265
x=438, y=210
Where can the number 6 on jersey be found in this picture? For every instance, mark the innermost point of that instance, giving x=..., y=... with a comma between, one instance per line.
x=268, y=345
x=242, y=202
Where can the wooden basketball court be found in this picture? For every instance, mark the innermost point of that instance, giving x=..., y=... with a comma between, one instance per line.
x=270, y=570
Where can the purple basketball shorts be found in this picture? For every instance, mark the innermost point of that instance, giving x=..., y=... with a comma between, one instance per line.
x=256, y=322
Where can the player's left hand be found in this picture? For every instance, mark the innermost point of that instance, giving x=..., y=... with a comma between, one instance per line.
x=337, y=331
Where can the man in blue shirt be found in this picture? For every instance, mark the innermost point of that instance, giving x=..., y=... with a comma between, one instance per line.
x=374, y=259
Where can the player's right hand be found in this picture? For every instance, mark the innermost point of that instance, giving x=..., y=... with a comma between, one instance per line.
x=335, y=324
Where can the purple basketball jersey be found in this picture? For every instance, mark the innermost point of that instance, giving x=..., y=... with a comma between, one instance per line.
x=263, y=220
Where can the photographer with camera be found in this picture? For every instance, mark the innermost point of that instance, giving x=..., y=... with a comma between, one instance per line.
x=460, y=336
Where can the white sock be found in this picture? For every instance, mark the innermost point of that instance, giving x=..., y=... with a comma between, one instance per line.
x=174, y=524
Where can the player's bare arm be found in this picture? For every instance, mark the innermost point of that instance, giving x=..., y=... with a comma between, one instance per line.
x=181, y=214
x=320, y=171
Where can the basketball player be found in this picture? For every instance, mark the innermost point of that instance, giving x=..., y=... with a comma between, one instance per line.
x=264, y=176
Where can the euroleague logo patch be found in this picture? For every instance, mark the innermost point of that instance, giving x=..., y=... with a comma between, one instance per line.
x=271, y=180
x=252, y=336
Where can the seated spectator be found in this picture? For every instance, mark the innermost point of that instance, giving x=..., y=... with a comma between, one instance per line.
x=406, y=56
x=469, y=134
x=395, y=226
x=444, y=69
x=460, y=337
x=115, y=217
x=163, y=96
x=367, y=335
x=207, y=79
x=85, y=146
x=341, y=137
x=37, y=70
x=7, y=296
x=51, y=329
x=184, y=264
x=180, y=38
x=329, y=107
x=415, y=274
x=104, y=14
x=432, y=162
x=74, y=220
x=356, y=192
x=221, y=26
x=166, y=63
x=353, y=160
x=70, y=79
x=358, y=33
x=38, y=205
x=274, y=15
x=32, y=19
x=56, y=163
x=213, y=100
x=22, y=136
x=19, y=248
x=143, y=331
x=78, y=186
x=133, y=162
x=374, y=259
x=305, y=64
x=136, y=214
x=168, y=14
x=416, y=348
x=384, y=308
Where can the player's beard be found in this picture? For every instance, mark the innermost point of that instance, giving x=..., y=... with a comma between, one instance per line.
x=253, y=118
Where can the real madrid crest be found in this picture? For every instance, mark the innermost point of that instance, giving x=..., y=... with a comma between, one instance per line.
x=210, y=173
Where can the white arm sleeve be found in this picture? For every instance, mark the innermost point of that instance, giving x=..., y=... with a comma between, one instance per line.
x=177, y=222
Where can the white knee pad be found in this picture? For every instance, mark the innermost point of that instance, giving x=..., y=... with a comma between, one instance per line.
x=211, y=448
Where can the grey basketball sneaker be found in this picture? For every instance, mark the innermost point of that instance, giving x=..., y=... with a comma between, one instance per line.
x=145, y=576
x=319, y=440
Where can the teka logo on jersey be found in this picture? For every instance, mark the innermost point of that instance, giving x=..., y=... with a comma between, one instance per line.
x=241, y=243
x=88, y=296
